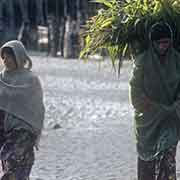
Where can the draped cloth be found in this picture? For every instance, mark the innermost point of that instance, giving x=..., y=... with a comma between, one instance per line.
x=20, y=91
x=157, y=127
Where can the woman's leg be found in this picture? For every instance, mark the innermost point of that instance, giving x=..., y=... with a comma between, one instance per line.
x=146, y=170
x=18, y=155
x=162, y=168
x=167, y=165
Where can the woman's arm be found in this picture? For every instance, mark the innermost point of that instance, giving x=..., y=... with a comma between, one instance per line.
x=140, y=101
x=138, y=97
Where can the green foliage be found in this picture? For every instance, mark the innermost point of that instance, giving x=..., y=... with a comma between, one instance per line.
x=122, y=26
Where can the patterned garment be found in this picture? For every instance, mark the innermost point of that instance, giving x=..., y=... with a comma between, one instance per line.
x=17, y=155
x=162, y=168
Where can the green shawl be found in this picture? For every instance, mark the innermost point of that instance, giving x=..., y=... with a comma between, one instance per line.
x=156, y=127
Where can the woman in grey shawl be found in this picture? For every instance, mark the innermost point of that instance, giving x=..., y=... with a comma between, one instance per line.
x=21, y=111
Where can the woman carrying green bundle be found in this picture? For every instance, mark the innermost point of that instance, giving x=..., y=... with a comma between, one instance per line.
x=155, y=96
x=21, y=112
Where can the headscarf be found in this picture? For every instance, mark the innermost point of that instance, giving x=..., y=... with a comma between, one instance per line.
x=160, y=30
x=22, y=58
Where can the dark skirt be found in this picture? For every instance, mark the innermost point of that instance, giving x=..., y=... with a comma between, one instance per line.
x=17, y=154
x=162, y=168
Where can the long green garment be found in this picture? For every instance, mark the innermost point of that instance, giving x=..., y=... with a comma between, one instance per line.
x=157, y=127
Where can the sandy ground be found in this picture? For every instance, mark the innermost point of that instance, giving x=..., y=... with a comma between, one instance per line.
x=95, y=140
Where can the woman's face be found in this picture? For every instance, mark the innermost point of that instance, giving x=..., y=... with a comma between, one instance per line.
x=9, y=62
x=162, y=45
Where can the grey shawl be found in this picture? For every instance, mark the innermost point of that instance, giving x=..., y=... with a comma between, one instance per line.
x=20, y=90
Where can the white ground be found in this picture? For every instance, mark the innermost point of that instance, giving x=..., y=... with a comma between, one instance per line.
x=95, y=141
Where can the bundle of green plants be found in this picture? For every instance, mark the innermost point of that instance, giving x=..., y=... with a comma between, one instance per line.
x=122, y=26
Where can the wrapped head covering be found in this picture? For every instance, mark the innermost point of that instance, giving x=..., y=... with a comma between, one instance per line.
x=160, y=30
x=22, y=58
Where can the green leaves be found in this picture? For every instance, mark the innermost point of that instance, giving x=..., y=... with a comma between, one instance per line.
x=122, y=26
x=105, y=2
